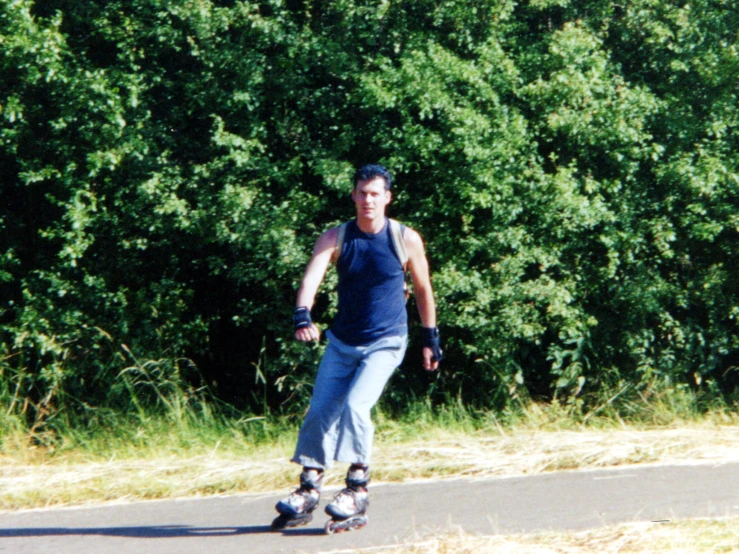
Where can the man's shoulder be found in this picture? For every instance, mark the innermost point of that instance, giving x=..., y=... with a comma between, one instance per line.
x=334, y=238
x=337, y=229
x=327, y=239
x=409, y=233
x=331, y=231
x=413, y=243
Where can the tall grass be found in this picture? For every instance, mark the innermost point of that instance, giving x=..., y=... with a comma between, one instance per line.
x=150, y=406
x=155, y=408
x=654, y=404
x=162, y=436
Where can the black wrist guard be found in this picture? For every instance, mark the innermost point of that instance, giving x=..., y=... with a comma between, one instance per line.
x=431, y=339
x=301, y=318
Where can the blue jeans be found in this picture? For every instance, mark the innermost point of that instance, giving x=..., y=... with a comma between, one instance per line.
x=350, y=380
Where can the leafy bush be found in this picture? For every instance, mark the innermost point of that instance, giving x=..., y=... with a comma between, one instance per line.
x=166, y=167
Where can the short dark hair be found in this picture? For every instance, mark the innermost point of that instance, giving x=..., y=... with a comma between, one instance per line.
x=370, y=171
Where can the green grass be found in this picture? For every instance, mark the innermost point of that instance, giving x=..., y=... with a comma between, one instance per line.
x=103, y=455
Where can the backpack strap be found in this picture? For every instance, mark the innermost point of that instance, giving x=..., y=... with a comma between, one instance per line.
x=396, y=232
x=340, y=234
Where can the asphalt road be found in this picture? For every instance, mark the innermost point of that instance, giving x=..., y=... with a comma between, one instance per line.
x=398, y=513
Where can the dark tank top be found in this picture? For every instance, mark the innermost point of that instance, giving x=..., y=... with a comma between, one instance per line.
x=371, y=295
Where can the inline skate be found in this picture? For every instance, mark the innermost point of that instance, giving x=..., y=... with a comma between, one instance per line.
x=348, y=509
x=297, y=509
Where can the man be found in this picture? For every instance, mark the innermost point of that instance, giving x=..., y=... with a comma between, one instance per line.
x=366, y=343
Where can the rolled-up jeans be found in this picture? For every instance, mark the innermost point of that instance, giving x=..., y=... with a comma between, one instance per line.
x=350, y=380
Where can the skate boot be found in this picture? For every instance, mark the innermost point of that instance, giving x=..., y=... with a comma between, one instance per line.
x=348, y=509
x=297, y=508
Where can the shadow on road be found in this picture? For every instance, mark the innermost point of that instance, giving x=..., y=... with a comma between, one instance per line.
x=152, y=532
x=304, y=531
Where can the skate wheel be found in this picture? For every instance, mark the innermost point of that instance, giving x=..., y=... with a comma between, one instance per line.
x=359, y=522
x=333, y=526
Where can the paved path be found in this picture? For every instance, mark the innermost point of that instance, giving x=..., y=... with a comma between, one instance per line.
x=399, y=513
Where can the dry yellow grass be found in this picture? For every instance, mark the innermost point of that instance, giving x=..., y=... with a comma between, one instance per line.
x=525, y=452
x=678, y=537
x=65, y=480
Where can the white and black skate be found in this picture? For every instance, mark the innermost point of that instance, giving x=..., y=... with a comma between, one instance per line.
x=297, y=509
x=348, y=511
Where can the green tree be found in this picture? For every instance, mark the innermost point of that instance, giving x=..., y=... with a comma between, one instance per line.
x=166, y=167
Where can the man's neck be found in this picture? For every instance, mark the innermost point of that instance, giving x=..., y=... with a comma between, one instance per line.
x=371, y=226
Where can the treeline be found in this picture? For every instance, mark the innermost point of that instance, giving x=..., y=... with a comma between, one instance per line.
x=167, y=165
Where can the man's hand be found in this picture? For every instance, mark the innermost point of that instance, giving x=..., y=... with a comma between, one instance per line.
x=305, y=329
x=308, y=334
x=432, y=353
x=429, y=363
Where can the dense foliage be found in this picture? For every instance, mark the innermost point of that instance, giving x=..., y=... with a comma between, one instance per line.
x=165, y=167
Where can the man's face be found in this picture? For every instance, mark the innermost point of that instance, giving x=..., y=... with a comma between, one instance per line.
x=371, y=198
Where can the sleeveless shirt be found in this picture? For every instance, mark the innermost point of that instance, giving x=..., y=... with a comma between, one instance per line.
x=371, y=294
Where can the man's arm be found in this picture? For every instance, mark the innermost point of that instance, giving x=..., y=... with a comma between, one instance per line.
x=312, y=279
x=419, y=268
